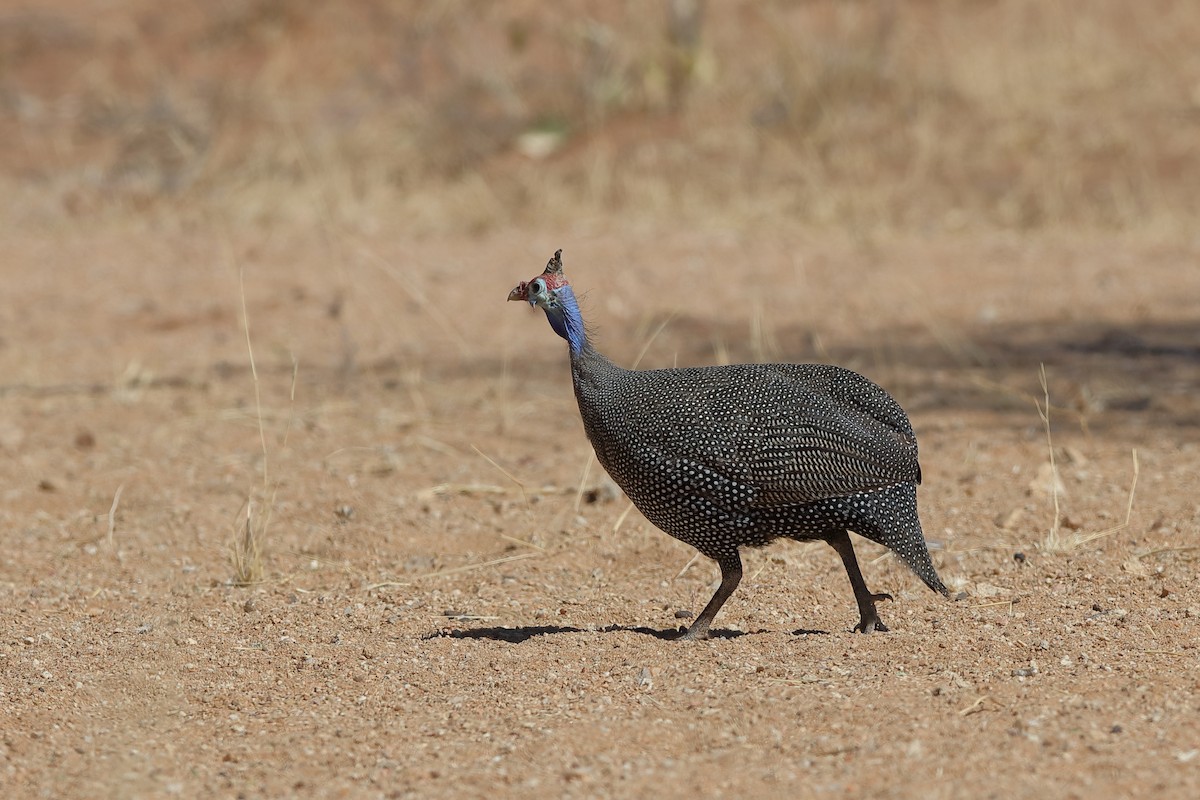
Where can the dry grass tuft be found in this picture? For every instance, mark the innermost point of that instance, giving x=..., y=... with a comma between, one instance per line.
x=246, y=550
x=1056, y=541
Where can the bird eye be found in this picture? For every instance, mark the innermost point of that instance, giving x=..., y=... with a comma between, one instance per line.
x=537, y=286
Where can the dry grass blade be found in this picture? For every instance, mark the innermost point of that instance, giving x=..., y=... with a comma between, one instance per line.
x=1128, y=509
x=417, y=296
x=503, y=472
x=762, y=340
x=444, y=489
x=291, y=418
x=695, y=557
x=437, y=446
x=1161, y=550
x=1009, y=603
x=1061, y=543
x=522, y=542
x=587, y=470
x=472, y=567
x=1020, y=395
x=974, y=707
x=621, y=519
x=1054, y=540
x=796, y=681
x=662, y=326
x=262, y=432
x=386, y=585
x=956, y=344
x=112, y=514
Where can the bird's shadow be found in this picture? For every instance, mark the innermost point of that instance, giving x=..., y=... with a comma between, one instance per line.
x=527, y=632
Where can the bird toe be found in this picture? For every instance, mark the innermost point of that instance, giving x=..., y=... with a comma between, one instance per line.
x=870, y=625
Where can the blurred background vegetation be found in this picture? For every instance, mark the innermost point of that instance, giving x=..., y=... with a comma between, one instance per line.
x=441, y=116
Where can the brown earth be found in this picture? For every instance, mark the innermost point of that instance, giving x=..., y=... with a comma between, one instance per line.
x=451, y=599
x=448, y=608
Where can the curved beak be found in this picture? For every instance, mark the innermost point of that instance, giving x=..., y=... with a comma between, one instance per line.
x=519, y=292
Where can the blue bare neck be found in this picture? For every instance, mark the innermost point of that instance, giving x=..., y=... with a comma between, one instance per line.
x=566, y=320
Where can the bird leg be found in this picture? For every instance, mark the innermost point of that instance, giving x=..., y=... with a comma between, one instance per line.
x=868, y=617
x=731, y=576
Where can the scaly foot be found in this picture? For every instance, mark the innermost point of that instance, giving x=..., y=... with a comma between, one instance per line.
x=869, y=620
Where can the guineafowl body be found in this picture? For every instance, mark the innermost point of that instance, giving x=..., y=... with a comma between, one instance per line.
x=737, y=456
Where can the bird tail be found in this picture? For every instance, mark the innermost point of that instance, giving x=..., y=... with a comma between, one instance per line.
x=921, y=564
x=904, y=537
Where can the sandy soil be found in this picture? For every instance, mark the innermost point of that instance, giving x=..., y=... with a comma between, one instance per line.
x=455, y=600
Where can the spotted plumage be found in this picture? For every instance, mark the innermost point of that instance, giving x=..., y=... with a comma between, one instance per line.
x=737, y=456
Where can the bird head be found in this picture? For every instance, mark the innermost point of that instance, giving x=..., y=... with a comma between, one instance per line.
x=552, y=292
x=543, y=290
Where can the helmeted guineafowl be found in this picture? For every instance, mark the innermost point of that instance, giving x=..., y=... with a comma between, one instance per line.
x=730, y=456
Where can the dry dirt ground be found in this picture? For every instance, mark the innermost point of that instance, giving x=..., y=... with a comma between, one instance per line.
x=455, y=601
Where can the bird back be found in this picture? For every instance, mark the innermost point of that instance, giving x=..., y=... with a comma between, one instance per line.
x=780, y=434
